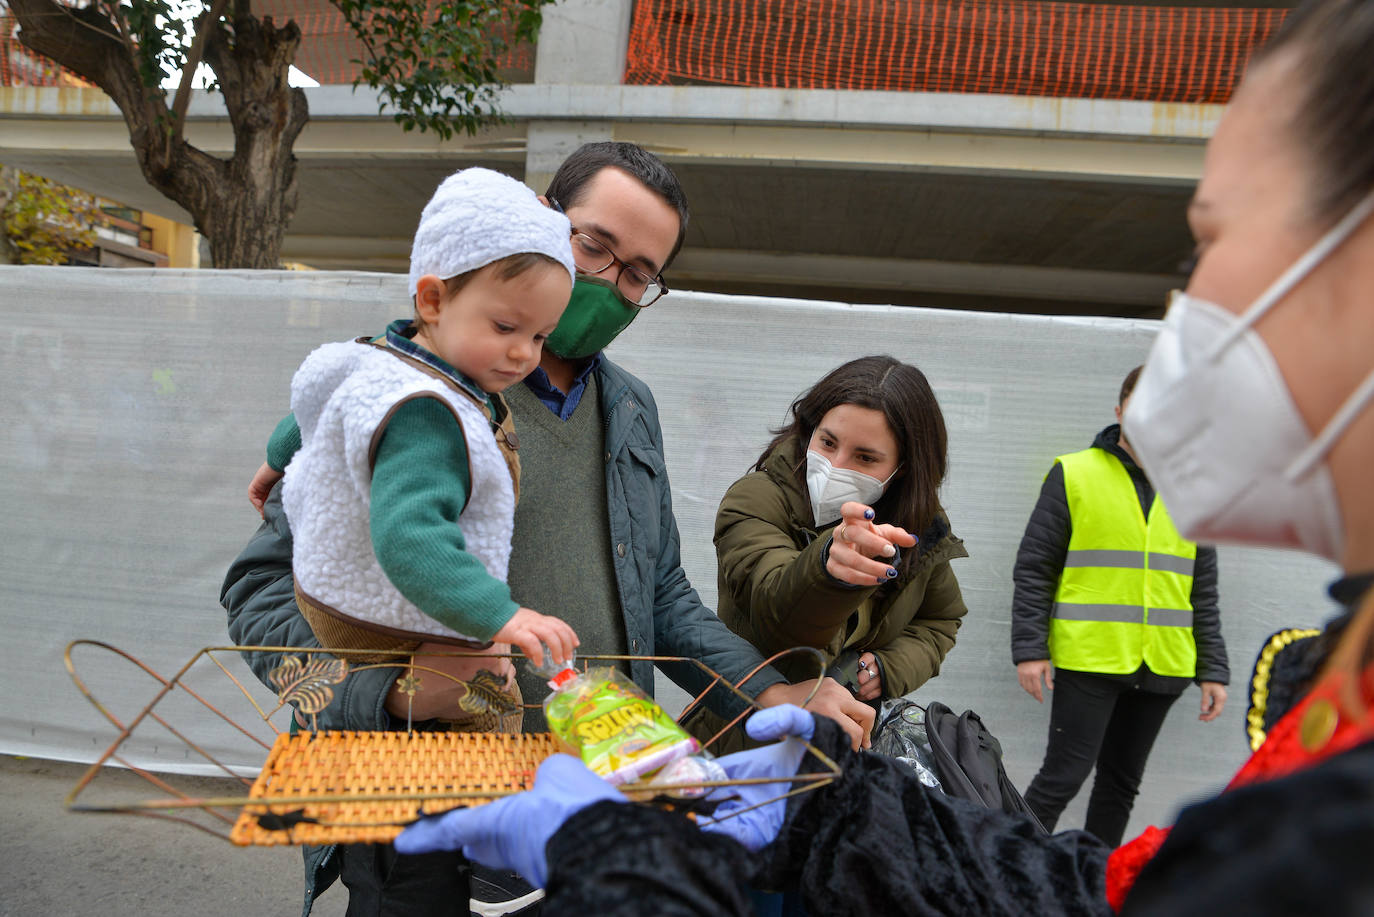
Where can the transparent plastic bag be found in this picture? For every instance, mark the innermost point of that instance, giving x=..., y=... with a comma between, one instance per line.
x=605, y=719
x=619, y=732
x=901, y=734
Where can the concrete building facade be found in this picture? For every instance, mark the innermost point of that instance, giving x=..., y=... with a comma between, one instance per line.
x=970, y=200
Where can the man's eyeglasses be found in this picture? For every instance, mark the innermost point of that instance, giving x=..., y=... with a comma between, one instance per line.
x=593, y=257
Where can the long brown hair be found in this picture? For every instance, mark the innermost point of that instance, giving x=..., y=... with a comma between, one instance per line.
x=1353, y=653
x=1334, y=118
x=903, y=395
x=1334, y=124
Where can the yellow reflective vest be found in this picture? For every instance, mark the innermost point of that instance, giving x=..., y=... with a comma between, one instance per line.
x=1124, y=595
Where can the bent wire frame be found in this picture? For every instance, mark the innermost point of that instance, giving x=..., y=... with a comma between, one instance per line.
x=354, y=787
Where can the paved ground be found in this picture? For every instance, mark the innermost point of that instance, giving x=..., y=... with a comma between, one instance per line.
x=55, y=863
x=59, y=864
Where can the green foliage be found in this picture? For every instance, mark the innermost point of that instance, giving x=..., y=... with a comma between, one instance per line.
x=160, y=38
x=436, y=65
x=439, y=68
x=44, y=220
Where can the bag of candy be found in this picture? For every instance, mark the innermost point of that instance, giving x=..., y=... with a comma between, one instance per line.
x=618, y=731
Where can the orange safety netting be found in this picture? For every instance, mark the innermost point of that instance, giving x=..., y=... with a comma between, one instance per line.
x=328, y=52
x=21, y=67
x=1167, y=54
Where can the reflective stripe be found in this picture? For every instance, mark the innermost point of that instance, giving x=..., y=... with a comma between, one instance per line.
x=1126, y=614
x=1131, y=560
x=1171, y=617
x=1172, y=563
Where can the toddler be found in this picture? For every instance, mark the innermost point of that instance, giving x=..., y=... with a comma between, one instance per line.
x=402, y=495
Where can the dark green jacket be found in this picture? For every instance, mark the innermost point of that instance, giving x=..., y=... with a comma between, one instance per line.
x=775, y=592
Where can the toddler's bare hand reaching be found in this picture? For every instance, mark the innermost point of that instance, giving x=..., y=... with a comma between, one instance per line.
x=261, y=485
x=528, y=628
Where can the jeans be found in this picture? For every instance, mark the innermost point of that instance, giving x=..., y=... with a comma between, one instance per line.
x=1103, y=721
x=383, y=883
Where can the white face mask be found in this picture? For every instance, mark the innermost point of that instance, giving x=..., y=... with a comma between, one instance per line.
x=1215, y=427
x=831, y=488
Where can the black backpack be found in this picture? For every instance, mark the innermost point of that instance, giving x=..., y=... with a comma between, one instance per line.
x=967, y=759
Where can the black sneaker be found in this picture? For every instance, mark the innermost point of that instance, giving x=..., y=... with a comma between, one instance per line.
x=502, y=894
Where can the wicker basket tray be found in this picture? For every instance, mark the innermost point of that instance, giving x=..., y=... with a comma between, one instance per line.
x=360, y=787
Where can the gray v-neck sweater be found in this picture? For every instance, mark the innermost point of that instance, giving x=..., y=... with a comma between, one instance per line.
x=561, y=562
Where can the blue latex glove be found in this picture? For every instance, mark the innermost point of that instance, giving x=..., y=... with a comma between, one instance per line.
x=511, y=833
x=758, y=827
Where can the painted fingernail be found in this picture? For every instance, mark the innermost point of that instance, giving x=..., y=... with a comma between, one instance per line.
x=888, y=550
x=868, y=514
x=891, y=572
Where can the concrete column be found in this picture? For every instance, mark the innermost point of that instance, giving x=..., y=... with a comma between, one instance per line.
x=581, y=43
x=548, y=143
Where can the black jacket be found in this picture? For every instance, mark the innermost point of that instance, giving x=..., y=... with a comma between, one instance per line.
x=875, y=841
x=878, y=842
x=1040, y=560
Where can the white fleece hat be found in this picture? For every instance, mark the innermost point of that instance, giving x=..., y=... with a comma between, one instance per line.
x=478, y=216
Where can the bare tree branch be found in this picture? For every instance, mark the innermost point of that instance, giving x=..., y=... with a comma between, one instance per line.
x=204, y=23
x=112, y=12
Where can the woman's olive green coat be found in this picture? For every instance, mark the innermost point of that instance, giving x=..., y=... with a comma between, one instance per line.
x=775, y=592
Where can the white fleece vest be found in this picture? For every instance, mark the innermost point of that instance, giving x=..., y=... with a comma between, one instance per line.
x=341, y=395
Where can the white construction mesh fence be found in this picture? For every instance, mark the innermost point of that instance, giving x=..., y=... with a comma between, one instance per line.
x=136, y=406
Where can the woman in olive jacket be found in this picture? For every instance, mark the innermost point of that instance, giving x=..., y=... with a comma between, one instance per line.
x=813, y=544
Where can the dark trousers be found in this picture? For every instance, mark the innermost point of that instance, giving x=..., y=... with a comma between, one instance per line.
x=1102, y=721
x=383, y=883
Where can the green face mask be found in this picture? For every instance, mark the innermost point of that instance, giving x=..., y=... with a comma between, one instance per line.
x=595, y=315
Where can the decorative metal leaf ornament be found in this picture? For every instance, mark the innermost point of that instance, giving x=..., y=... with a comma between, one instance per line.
x=487, y=694
x=308, y=686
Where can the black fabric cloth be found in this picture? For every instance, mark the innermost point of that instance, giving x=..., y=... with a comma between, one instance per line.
x=873, y=842
x=1297, y=845
x=618, y=860
x=878, y=842
x=1103, y=723
x=1040, y=561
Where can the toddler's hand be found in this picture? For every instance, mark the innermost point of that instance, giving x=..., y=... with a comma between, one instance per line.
x=527, y=628
x=261, y=486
